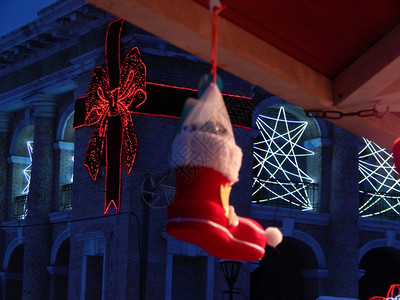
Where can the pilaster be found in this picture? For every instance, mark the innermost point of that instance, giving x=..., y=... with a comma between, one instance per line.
x=5, y=129
x=37, y=235
x=343, y=228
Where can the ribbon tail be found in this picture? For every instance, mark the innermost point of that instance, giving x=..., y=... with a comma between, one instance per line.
x=93, y=152
x=130, y=143
x=113, y=164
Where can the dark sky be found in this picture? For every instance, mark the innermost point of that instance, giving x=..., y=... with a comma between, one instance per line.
x=15, y=13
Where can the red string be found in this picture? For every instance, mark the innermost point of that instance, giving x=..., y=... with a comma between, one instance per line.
x=216, y=11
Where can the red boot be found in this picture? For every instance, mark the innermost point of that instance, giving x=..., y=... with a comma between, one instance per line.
x=207, y=160
x=198, y=216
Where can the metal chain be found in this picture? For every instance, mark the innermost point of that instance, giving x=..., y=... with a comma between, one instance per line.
x=336, y=114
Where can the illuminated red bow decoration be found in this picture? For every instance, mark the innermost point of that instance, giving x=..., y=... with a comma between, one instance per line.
x=392, y=294
x=109, y=102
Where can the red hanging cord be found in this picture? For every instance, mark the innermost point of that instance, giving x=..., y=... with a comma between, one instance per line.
x=216, y=11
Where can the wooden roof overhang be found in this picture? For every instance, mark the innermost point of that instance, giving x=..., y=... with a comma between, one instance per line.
x=341, y=55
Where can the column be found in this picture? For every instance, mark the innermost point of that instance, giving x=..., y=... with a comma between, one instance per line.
x=37, y=233
x=342, y=251
x=5, y=129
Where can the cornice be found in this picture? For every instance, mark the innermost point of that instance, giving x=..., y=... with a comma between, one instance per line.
x=56, y=25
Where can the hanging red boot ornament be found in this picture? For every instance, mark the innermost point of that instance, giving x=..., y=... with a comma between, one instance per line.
x=207, y=160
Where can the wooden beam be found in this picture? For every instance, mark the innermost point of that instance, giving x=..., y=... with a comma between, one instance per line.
x=372, y=77
x=187, y=25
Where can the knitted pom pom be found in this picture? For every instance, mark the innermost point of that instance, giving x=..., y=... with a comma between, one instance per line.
x=274, y=236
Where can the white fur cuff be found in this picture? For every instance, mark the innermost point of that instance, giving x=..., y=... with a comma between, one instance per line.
x=198, y=148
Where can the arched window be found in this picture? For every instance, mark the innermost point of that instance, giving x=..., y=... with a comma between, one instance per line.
x=379, y=183
x=381, y=266
x=59, y=271
x=65, y=161
x=289, y=271
x=21, y=160
x=287, y=160
x=12, y=279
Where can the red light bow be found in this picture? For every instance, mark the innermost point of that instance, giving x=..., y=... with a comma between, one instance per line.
x=110, y=98
x=392, y=294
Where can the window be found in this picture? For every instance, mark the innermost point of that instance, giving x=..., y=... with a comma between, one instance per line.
x=282, y=163
x=65, y=164
x=379, y=183
x=189, y=271
x=59, y=272
x=94, y=277
x=20, y=168
x=66, y=199
x=189, y=277
x=12, y=280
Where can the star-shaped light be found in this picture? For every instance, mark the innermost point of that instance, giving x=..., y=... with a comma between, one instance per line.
x=379, y=183
x=27, y=170
x=72, y=176
x=279, y=155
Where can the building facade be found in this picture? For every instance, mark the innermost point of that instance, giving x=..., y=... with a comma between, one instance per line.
x=333, y=194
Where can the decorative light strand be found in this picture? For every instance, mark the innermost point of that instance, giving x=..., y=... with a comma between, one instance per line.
x=277, y=155
x=27, y=170
x=72, y=175
x=381, y=186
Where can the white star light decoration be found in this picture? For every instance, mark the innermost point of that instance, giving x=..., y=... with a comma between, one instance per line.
x=277, y=172
x=27, y=170
x=381, y=185
x=72, y=176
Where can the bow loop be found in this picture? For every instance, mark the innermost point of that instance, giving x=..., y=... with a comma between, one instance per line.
x=95, y=150
x=96, y=104
x=130, y=144
x=133, y=79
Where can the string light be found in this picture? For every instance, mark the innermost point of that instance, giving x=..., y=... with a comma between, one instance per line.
x=278, y=157
x=112, y=95
x=27, y=170
x=381, y=186
x=72, y=176
x=278, y=173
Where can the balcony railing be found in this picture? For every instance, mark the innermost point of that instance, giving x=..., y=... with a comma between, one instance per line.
x=21, y=207
x=286, y=194
x=380, y=205
x=66, y=199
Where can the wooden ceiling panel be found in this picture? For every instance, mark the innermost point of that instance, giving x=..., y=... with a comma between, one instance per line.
x=294, y=27
x=385, y=11
x=326, y=35
x=280, y=43
x=345, y=18
x=289, y=29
